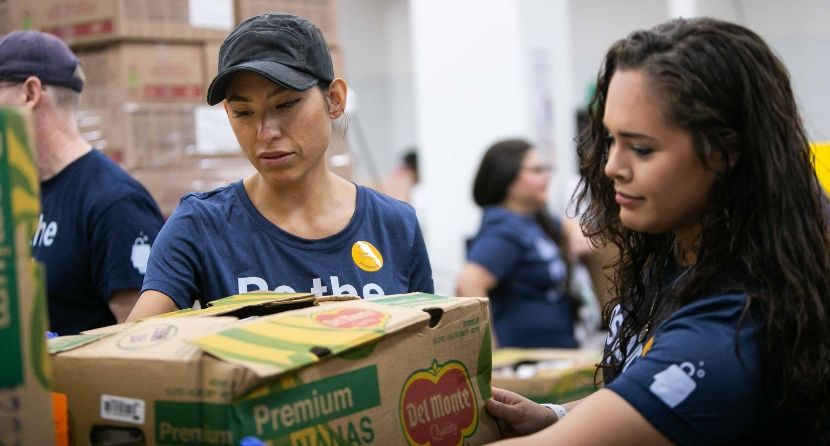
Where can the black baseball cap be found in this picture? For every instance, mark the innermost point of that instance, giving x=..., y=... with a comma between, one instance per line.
x=286, y=49
x=33, y=53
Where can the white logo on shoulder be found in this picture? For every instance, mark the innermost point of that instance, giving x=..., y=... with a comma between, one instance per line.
x=141, y=253
x=674, y=384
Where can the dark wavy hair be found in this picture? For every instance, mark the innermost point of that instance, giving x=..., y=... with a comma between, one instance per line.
x=765, y=229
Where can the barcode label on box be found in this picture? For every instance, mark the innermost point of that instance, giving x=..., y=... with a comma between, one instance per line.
x=119, y=408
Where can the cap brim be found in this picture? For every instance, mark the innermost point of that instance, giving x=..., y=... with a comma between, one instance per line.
x=273, y=71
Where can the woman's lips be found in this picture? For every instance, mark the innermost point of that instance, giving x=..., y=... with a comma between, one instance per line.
x=276, y=158
x=626, y=200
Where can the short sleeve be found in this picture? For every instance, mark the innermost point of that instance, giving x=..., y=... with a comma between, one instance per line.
x=690, y=382
x=496, y=253
x=421, y=273
x=120, y=240
x=174, y=265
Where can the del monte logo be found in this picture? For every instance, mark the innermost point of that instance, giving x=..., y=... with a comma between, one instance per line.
x=438, y=406
x=344, y=318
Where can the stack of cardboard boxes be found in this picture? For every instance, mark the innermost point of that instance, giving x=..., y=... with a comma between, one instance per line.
x=148, y=64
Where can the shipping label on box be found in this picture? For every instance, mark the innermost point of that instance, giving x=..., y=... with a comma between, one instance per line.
x=25, y=375
x=410, y=369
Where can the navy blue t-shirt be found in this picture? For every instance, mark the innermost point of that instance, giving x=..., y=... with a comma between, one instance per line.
x=530, y=308
x=94, y=237
x=217, y=244
x=690, y=383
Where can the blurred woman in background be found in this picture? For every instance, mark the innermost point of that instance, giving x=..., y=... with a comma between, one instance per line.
x=521, y=257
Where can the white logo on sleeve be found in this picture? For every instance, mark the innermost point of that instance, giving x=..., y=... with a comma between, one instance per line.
x=140, y=254
x=676, y=383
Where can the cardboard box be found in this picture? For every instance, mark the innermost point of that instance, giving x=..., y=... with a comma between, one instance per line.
x=409, y=369
x=322, y=13
x=85, y=22
x=546, y=375
x=14, y=15
x=210, y=56
x=168, y=184
x=25, y=375
x=140, y=135
x=143, y=72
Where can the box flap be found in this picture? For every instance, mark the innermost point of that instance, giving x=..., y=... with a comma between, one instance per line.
x=109, y=329
x=259, y=298
x=274, y=344
x=64, y=343
x=417, y=300
x=151, y=339
x=246, y=305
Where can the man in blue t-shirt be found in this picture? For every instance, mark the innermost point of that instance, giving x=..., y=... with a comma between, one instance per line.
x=97, y=223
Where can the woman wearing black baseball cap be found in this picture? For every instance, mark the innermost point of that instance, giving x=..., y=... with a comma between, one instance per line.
x=294, y=225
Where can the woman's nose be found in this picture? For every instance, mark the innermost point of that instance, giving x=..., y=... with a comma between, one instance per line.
x=615, y=166
x=269, y=127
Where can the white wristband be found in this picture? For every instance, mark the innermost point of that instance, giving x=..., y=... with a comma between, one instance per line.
x=559, y=410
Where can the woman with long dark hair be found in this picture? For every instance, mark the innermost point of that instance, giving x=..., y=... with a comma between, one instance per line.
x=699, y=171
x=520, y=257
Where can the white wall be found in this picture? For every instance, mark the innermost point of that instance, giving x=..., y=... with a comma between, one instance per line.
x=377, y=57
x=595, y=25
x=546, y=44
x=468, y=71
x=799, y=31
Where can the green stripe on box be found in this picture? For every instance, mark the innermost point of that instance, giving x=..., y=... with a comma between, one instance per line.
x=63, y=343
x=11, y=373
x=240, y=334
x=180, y=423
x=274, y=416
x=227, y=354
x=293, y=409
x=412, y=300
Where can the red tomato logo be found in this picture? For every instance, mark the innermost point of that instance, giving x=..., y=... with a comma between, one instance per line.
x=351, y=318
x=438, y=406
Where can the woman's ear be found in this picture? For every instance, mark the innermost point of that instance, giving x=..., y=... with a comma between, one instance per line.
x=723, y=162
x=336, y=98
